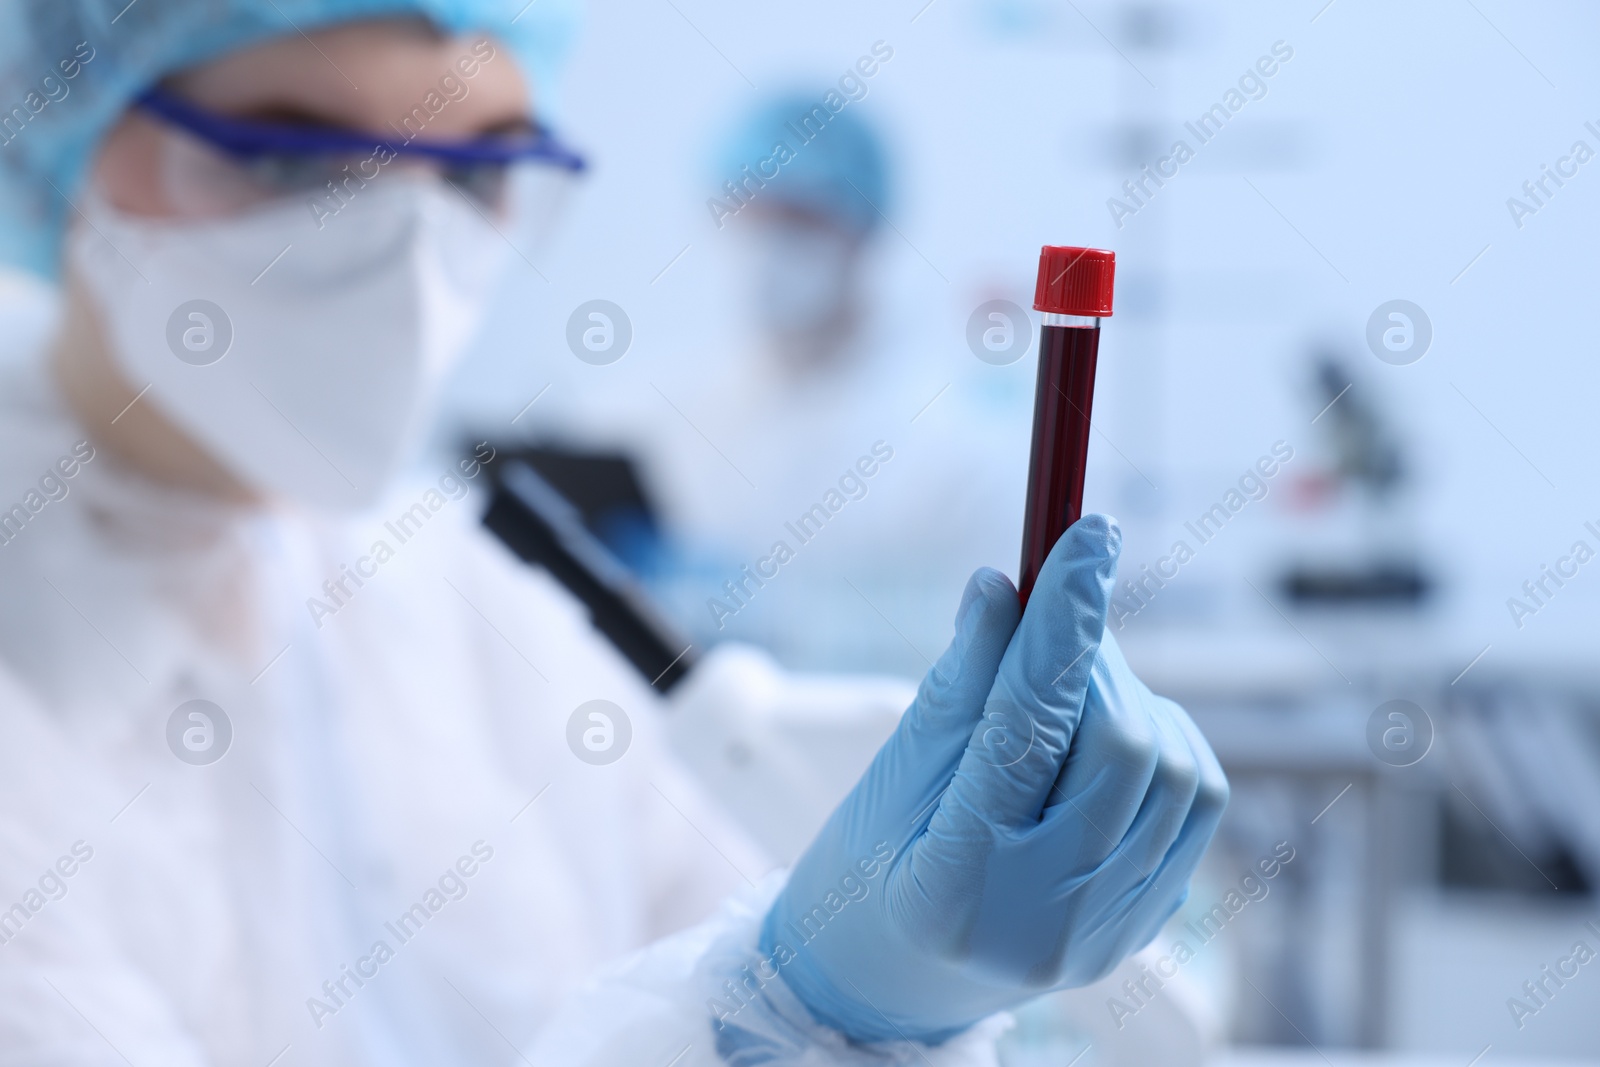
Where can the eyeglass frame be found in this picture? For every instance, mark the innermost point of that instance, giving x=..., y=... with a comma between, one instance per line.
x=248, y=139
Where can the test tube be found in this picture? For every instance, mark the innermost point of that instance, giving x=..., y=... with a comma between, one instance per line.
x=1073, y=293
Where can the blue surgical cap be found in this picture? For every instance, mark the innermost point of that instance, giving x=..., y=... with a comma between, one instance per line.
x=840, y=172
x=69, y=68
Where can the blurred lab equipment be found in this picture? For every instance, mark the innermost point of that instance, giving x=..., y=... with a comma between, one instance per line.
x=542, y=528
x=1367, y=553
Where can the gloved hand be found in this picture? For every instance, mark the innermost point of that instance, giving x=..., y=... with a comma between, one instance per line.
x=1035, y=818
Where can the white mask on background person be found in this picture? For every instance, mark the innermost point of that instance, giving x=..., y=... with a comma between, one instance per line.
x=305, y=360
x=803, y=277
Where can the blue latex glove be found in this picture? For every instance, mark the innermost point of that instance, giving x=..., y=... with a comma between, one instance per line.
x=1035, y=818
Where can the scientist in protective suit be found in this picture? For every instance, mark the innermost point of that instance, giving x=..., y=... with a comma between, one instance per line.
x=292, y=769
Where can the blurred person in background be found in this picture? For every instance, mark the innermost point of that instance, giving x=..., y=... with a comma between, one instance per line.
x=829, y=376
x=806, y=231
x=297, y=765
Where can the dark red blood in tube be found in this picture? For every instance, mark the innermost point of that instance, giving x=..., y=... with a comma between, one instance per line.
x=1061, y=406
x=1074, y=293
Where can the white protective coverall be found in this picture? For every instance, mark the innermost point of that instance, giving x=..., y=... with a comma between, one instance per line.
x=398, y=859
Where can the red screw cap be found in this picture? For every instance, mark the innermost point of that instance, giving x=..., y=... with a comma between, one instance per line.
x=1075, y=281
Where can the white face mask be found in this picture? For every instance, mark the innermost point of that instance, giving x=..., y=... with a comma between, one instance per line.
x=803, y=274
x=305, y=360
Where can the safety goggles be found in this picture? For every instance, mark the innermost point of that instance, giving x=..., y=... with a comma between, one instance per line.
x=222, y=165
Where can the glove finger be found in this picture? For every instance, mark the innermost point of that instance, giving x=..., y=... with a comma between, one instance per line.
x=1165, y=892
x=1172, y=791
x=1162, y=893
x=917, y=762
x=1211, y=790
x=1102, y=784
x=1109, y=768
x=1016, y=752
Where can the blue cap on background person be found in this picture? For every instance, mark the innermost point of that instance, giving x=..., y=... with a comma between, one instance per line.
x=836, y=166
x=68, y=69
